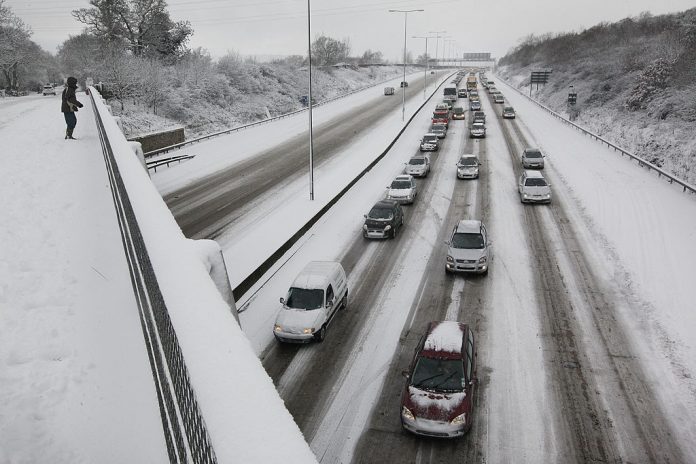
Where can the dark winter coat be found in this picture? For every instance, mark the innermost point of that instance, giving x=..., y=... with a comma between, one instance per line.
x=70, y=103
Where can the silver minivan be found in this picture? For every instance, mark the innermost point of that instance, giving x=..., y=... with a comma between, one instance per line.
x=314, y=298
x=532, y=158
x=533, y=188
x=468, y=248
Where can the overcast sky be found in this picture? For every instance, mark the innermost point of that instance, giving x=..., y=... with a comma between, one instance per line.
x=279, y=27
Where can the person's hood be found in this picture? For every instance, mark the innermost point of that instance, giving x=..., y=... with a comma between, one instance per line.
x=72, y=82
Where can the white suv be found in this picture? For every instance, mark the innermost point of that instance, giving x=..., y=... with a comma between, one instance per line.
x=418, y=166
x=48, y=90
x=533, y=188
x=468, y=248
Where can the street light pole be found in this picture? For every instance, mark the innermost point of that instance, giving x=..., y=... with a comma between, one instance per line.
x=427, y=59
x=311, y=138
x=437, y=42
x=403, y=82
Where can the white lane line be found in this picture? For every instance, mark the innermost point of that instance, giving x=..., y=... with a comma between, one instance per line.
x=452, y=313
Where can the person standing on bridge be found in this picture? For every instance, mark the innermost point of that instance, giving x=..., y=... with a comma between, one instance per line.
x=69, y=107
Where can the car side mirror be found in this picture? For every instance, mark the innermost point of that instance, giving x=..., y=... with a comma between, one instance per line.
x=282, y=300
x=329, y=304
x=448, y=243
x=365, y=216
x=406, y=374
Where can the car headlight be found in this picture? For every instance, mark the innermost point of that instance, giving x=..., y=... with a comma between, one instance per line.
x=307, y=331
x=407, y=414
x=483, y=259
x=459, y=420
x=364, y=226
x=278, y=328
x=387, y=227
x=450, y=259
x=526, y=195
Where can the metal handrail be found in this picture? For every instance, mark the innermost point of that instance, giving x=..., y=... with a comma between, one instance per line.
x=264, y=121
x=641, y=162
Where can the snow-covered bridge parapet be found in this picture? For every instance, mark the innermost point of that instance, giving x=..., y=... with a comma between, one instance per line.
x=217, y=404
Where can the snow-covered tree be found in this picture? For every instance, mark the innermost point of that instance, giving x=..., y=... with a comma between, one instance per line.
x=327, y=51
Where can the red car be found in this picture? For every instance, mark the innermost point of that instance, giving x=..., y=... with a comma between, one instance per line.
x=441, y=117
x=437, y=400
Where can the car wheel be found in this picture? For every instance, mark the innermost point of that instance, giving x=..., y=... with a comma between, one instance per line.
x=344, y=301
x=321, y=335
x=393, y=232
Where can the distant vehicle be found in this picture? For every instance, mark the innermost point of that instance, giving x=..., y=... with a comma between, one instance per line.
x=533, y=188
x=490, y=84
x=439, y=129
x=304, y=99
x=471, y=83
x=432, y=72
x=457, y=112
x=314, y=298
x=468, y=167
x=418, y=166
x=441, y=117
x=438, y=398
x=448, y=103
x=474, y=94
x=389, y=91
x=492, y=89
x=474, y=105
x=403, y=84
x=442, y=107
x=461, y=93
x=430, y=142
x=477, y=129
x=403, y=189
x=479, y=116
x=48, y=90
x=498, y=98
x=532, y=158
x=384, y=220
x=467, y=248
x=450, y=93
x=508, y=112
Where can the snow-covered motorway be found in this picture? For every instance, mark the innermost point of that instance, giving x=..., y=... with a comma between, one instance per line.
x=583, y=323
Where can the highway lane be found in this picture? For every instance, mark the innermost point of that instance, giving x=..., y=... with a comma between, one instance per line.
x=204, y=208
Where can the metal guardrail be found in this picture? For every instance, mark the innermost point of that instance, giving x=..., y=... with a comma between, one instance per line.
x=167, y=161
x=254, y=277
x=641, y=162
x=264, y=121
x=185, y=434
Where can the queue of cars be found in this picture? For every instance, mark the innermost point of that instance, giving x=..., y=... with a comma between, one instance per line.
x=437, y=398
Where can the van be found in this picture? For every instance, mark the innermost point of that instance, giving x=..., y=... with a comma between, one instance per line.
x=313, y=300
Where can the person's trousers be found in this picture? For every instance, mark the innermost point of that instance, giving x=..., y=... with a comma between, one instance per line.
x=70, y=120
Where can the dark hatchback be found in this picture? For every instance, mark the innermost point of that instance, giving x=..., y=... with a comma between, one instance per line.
x=384, y=220
x=437, y=400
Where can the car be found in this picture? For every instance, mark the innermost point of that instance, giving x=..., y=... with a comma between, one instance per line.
x=442, y=107
x=418, y=166
x=474, y=105
x=468, y=167
x=477, y=129
x=430, y=142
x=403, y=189
x=498, y=98
x=432, y=72
x=532, y=158
x=403, y=84
x=438, y=396
x=384, y=220
x=492, y=89
x=490, y=84
x=448, y=103
x=468, y=248
x=474, y=94
x=439, y=129
x=48, y=89
x=461, y=93
x=441, y=117
x=478, y=116
x=457, y=112
x=508, y=112
x=312, y=301
x=533, y=188
x=389, y=91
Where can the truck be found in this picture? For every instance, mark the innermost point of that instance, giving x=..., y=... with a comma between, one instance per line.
x=471, y=83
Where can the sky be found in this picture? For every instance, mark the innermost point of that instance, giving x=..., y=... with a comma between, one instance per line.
x=279, y=27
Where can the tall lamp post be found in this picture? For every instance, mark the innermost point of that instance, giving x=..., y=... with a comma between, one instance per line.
x=449, y=55
x=437, y=42
x=311, y=138
x=403, y=83
x=425, y=80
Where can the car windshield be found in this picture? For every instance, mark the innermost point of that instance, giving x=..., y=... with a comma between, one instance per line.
x=535, y=182
x=438, y=374
x=429, y=138
x=381, y=213
x=532, y=154
x=467, y=240
x=458, y=110
x=302, y=298
x=416, y=161
x=477, y=125
x=468, y=161
x=507, y=109
x=400, y=184
x=438, y=128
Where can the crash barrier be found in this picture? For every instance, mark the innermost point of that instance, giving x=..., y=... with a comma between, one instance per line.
x=256, y=275
x=641, y=162
x=186, y=437
x=167, y=161
x=264, y=121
